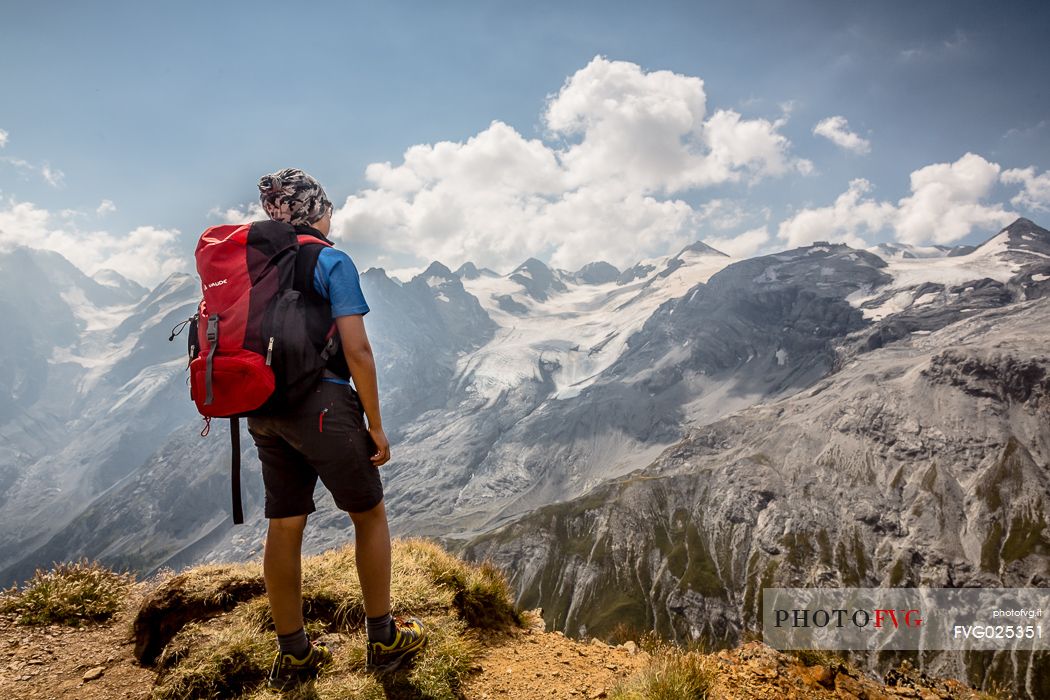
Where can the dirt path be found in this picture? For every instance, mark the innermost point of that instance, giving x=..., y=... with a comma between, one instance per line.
x=535, y=664
x=66, y=662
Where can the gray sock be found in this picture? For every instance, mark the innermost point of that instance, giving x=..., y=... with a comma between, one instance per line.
x=380, y=629
x=295, y=643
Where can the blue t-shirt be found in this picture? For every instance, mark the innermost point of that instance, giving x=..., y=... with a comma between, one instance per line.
x=337, y=280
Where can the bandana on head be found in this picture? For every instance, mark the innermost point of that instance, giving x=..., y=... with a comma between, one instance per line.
x=292, y=196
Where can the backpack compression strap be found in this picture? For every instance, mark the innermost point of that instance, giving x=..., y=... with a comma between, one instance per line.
x=213, y=346
x=235, y=465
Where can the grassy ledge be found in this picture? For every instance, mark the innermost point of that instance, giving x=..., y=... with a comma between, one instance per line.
x=208, y=630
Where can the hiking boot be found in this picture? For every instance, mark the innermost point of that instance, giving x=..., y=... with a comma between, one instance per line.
x=287, y=670
x=410, y=637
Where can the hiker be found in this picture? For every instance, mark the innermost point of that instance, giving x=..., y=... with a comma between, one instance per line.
x=325, y=435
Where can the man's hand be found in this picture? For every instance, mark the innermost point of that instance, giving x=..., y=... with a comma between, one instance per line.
x=358, y=353
x=382, y=454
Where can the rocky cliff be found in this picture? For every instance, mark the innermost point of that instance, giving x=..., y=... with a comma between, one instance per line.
x=922, y=463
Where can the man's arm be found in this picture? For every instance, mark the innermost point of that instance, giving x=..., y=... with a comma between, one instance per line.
x=358, y=353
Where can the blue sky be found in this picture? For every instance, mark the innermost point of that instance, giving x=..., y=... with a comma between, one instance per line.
x=172, y=111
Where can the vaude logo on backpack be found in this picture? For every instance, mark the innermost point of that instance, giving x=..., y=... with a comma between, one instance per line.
x=249, y=350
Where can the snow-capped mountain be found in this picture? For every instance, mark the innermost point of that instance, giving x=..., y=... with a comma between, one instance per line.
x=917, y=454
x=115, y=280
x=449, y=355
x=923, y=463
x=890, y=251
x=96, y=388
x=925, y=294
x=501, y=393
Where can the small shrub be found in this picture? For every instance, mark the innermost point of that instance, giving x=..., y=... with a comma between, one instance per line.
x=674, y=675
x=623, y=632
x=450, y=654
x=817, y=657
x=68, y=594
x=653, y=643
x=481, y=594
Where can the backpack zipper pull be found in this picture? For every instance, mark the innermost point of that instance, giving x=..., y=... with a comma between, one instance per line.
x=269, y=352
x=177, y=330
x=320, y=420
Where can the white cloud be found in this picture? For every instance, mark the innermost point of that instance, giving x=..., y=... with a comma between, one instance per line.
x=17, y=162
x=239, y=215
x=842, y=222
x=53, y=176
x=620, y=146
x=1027, y=131
x=742, y=246
x=744, y=144
x=641, y=130
x=146, y=254
x=106, y=206
x=937, y=50
x=1036, y=188
x=836, y=130
x=723, y=214
x=3, y=138
x=945, y=204
x=405, y=274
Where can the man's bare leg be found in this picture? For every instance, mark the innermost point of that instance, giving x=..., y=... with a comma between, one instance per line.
x=372, y=553
x=282, y=572
x=389, y=644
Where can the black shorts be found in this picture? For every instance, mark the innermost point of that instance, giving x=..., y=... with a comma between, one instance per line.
x=323, y=436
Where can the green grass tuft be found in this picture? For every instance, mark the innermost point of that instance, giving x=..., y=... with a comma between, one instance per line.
x=68, y=594
x=481, y=594
x=215, y=659
x=673, y=675
x=819, y=657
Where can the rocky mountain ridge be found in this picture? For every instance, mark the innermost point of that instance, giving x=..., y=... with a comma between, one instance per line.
x=499, y=402
x=921, y=463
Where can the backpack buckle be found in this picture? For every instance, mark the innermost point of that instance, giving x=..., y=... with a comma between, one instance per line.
x=213, y=329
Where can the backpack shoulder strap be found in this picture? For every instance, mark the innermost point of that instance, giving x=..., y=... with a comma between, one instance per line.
x=305, y=262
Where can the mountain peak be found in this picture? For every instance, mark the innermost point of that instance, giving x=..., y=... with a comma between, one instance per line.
x=1022, y=238
x=597, y=272
x=537, y=279
x=436, y=269
x=468, y=271
x=701, y=248
x=531, y=264
x=1027, y=226
x=1023, y=222
x=114, y=280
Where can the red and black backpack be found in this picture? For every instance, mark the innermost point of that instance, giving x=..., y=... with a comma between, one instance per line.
x=257, y=341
